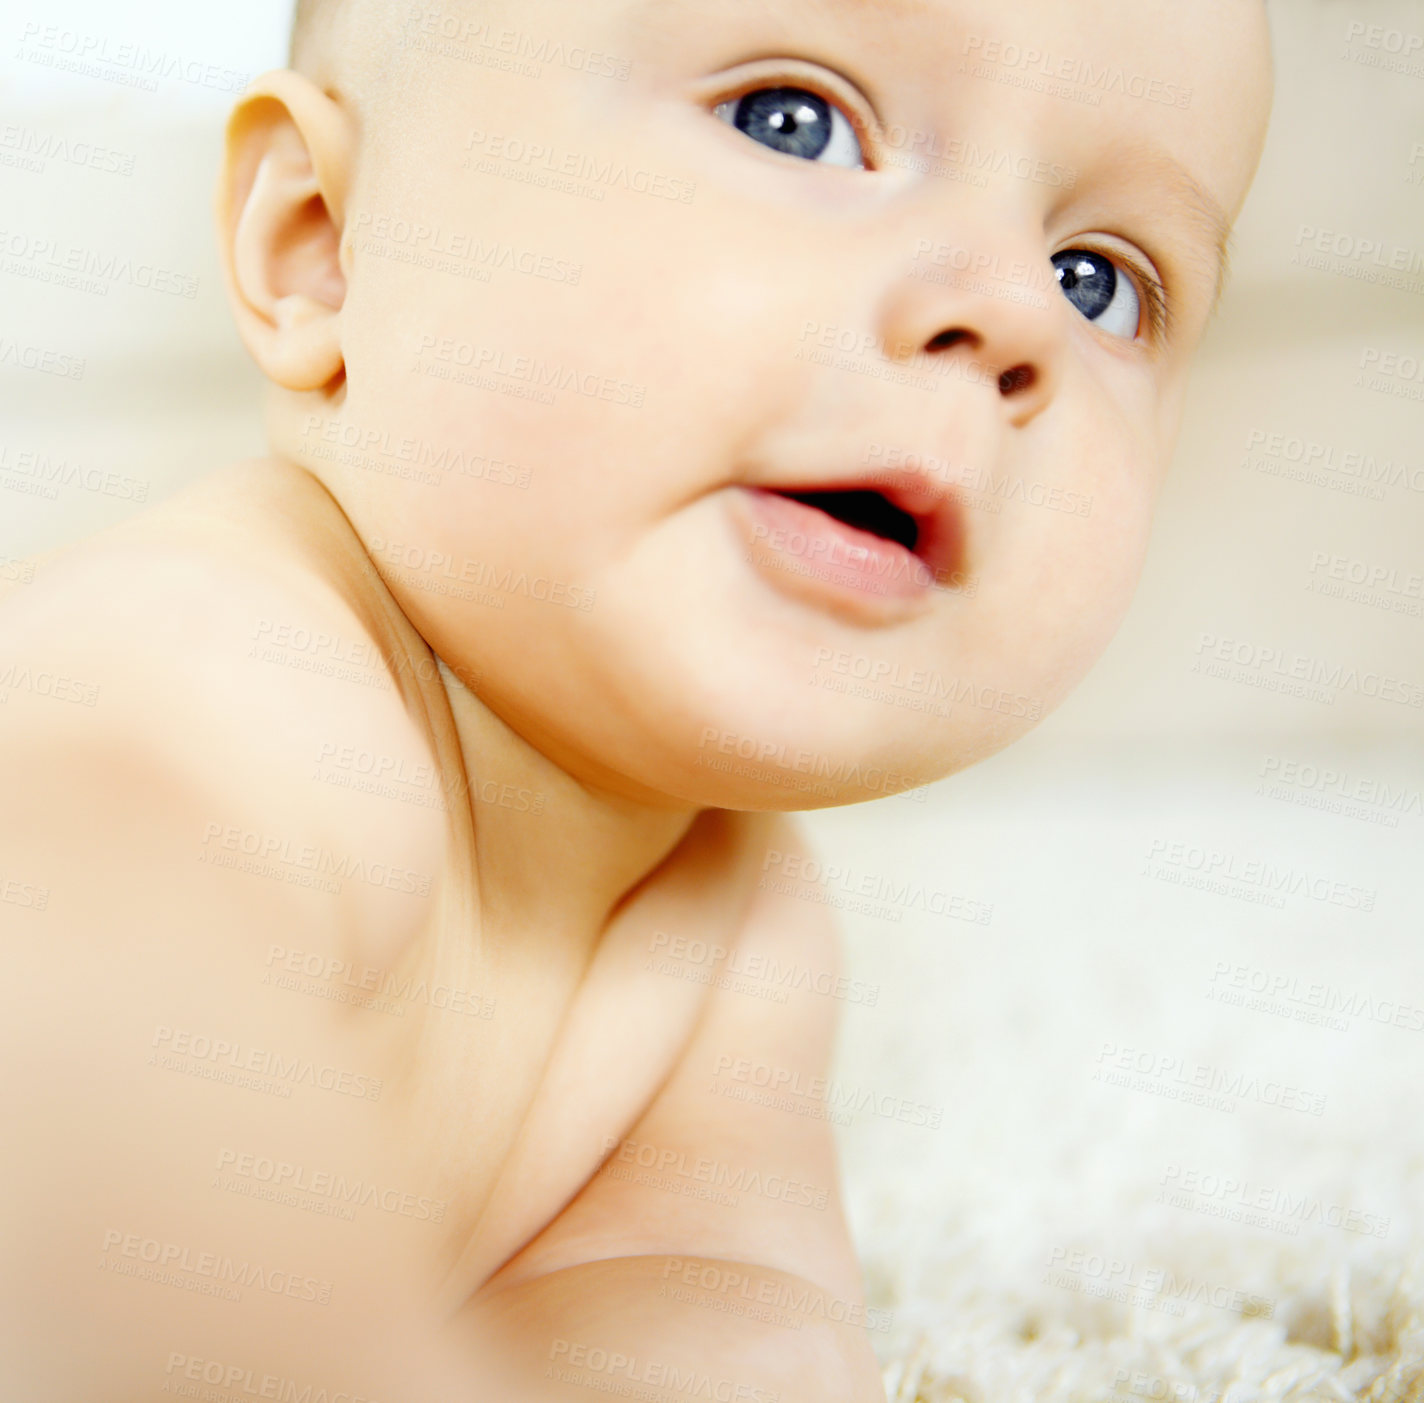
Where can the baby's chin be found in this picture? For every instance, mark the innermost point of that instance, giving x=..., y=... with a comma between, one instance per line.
x=845, y=725
x=707, y=726
x=839, y=750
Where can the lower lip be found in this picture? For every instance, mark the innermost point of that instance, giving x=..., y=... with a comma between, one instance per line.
x=807, y=551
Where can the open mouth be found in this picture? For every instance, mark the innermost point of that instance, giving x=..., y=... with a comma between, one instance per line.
x=866, y=511
x=897, y=535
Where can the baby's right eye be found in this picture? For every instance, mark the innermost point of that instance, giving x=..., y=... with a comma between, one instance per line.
x=796, y=122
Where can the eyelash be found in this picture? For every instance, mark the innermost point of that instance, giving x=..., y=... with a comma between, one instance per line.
x=1155, y=296
x=1153, y=293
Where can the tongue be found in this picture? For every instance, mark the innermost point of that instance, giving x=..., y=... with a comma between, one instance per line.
x=866, y=511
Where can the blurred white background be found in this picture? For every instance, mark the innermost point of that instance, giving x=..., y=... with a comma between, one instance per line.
x=1093, y=939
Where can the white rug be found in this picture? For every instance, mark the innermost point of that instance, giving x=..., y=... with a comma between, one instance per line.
x=1077, y=1229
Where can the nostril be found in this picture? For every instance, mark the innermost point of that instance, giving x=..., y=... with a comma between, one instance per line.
x=1016, y=380
x=946, y=339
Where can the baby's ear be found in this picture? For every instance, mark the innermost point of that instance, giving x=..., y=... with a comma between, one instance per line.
x=280, y=211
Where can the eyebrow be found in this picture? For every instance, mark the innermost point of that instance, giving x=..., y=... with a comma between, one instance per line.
x=902, y=9
x=1199, y=205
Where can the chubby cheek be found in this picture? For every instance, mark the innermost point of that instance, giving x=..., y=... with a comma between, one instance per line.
x=565, y=423
x=599, y=318
x=1101, y=573
x=1058, y=564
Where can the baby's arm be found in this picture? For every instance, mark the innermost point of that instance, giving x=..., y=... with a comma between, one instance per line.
x=764, y=1295
x=584, y=1329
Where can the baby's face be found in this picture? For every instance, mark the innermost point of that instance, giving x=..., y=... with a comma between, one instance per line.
x=644, y=267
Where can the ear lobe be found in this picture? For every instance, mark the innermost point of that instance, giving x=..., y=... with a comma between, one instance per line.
x=280, y=211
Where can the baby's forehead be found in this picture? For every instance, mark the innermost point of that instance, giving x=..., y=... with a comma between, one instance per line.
x=968, y=27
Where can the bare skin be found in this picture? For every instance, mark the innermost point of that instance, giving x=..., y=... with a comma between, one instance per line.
x=512, y=803
x=502, y=1118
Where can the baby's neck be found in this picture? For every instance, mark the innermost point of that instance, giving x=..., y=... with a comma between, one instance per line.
x=556, y=845
x=553, y=851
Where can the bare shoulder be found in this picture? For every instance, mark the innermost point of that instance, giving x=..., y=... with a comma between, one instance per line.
x=712, y=1237
x=168, y=694
x=216, y=643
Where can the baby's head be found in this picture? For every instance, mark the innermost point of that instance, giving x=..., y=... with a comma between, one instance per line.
x=561, y=297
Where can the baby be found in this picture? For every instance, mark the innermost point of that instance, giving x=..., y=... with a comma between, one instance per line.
x=388, y=850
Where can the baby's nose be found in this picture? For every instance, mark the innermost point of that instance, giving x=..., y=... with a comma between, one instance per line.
x=1001, y=313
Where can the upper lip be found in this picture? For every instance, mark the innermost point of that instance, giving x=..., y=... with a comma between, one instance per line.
x=930, y=500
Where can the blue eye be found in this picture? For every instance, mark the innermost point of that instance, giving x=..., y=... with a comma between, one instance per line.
x=1100, y=291
x=796, y=122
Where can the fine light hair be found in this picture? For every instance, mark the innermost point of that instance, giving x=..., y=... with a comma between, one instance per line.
x=344, y=46
x=311, y=23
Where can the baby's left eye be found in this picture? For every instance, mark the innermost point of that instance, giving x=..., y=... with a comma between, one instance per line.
x=1100, y=291
x=796, y=122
